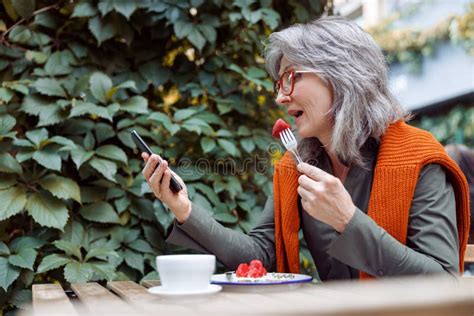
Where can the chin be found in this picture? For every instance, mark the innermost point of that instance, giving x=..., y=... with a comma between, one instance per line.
x=302, y=133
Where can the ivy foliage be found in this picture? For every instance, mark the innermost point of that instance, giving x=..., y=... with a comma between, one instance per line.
x=410, y=45
x=76, y=76
x=456, y=125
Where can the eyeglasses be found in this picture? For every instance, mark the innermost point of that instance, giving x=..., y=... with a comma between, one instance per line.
x=286, y=82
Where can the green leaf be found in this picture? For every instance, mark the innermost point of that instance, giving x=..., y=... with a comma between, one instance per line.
x=135, y=104
x=50, y=87
x=74, y=232
x=209, y=32
x=37, y=136
x=101, y=212
x=125, y=8
x=104, y=270
x=103, y=132
x=224, y=133
x=21, y=298
x=272, y=18
x=101, y=29
x=4, y=251
x=243, y=131
x=207, y=144
x=182, y=28
x=80, y=155
x=24, y=259
x=47, y=210
x=76, y=272
x=84, y=9
x=10, y=9
x=247, y=144
x=7, y=181
x=70, y=248
x=225, y=218
x=163, y=216
x=8, y=273
x=24, y=8
x=160, y=117
x=66, y=142
x=134, y=260
x=24, y=242
x=6, y=95
x=256, y=73
x=82, y=108
x=112, y=152
x=100, y=253
x=19, y=88
x=61, y=187
x=8, y=164
x=154, y=73
x=12, y=201
x=184, y=114
x=196, y=38
x=48, y=158
x=141, y=246
x=59, y=63
x=100, y=84
x=53, y=261
x=129, y=84
x=7, y=122
x=105, y=167
x=229, y=147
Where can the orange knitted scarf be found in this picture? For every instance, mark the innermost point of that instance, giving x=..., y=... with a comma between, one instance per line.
x=403, y=152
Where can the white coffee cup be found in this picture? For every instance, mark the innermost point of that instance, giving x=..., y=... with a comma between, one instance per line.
x=185, y=272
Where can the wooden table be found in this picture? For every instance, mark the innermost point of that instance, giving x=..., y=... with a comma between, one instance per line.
x=408, y=296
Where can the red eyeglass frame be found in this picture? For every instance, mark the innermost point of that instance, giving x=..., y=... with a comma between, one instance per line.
x=291, y=74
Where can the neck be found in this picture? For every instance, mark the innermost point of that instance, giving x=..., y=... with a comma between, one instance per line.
x=338, y=168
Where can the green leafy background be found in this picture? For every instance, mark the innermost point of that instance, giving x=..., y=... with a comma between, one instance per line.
x=188, y=75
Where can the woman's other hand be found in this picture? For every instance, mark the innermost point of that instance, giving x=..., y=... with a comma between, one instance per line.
x=159, y=181
x=324, y=197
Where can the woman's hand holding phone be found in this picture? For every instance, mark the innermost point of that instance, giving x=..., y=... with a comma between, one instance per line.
x=159, y=178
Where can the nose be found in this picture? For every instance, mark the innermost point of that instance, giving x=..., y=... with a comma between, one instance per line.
x=282, y=99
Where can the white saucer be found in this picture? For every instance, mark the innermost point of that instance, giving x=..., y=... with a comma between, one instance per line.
x=159, y=290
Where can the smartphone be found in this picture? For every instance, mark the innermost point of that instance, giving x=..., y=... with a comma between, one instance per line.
x=175, y=187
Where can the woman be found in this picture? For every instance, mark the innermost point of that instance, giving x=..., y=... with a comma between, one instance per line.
x=374, y=197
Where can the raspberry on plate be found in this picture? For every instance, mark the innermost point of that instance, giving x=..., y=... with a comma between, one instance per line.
x=254, y=270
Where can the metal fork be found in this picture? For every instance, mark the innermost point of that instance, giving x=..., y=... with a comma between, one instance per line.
x=289, y=141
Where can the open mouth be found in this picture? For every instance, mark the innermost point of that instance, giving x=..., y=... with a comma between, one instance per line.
x=298, y=114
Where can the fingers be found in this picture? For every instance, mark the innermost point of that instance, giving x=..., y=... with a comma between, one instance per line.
x=313, y=172
x=305, y=194
x=157, y=175
x=145, y=156
x=150, y=166
x=165, y=183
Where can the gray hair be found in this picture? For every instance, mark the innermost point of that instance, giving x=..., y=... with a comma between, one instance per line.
x=348, y=60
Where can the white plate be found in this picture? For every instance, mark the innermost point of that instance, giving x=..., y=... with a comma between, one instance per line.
x=159, y=290
x=271, y=278
x=273, y=281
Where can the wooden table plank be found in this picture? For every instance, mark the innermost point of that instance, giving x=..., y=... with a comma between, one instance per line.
x=469, y=254
x=98, y=299
x=151, y=283
x=130, y=291
x=50, y=299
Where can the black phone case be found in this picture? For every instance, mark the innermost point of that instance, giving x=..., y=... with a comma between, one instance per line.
x=174, y=184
